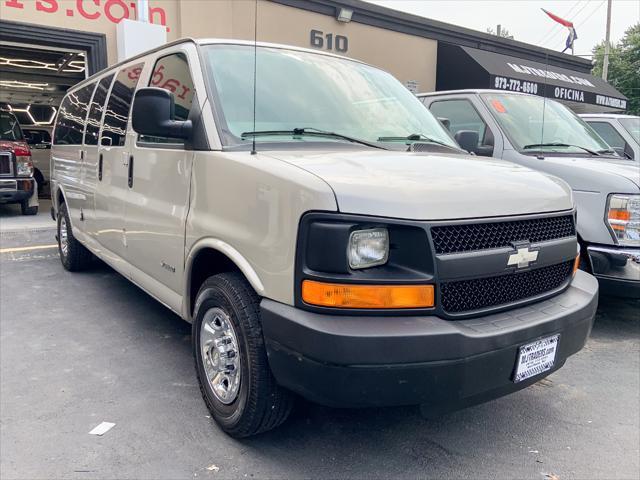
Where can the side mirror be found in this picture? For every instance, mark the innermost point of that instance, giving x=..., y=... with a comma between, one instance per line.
x=153, y=115
x=468, y=140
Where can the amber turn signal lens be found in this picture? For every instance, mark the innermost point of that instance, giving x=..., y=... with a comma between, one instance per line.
x=576, y=264
x=619, y=214
x=340, y=295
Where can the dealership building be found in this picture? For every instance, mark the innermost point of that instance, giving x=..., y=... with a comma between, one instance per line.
x=46, y=46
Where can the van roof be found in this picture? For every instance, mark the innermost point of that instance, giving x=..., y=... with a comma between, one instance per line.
x=208, y=41
x=606, y=115
x=474, y=91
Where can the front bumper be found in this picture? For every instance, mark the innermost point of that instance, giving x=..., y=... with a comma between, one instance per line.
x=617, y=269
x=14, y=190
x=354, y=361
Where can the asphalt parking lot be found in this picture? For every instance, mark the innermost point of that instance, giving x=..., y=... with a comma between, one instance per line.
x=79, y=349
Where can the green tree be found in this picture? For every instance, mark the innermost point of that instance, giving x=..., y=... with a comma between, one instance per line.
x=624, y=66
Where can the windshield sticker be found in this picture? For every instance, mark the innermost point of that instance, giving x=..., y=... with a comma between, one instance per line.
x=498, y=106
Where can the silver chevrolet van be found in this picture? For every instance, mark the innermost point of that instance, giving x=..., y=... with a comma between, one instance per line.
x=323, y=233
x=544, y=135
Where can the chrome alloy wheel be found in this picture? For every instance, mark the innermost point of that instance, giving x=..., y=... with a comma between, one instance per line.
x=64, y=236
x=220, y=355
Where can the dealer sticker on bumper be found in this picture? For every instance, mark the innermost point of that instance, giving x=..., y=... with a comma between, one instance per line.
x=535, y=358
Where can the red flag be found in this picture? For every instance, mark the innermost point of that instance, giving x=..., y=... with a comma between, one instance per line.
x=561, y=21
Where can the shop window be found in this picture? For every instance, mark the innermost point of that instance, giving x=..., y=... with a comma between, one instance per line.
x=460, y=115
x=609, y=134
x=116, y=116
x=72, y=117
x=95, y=111
x=172, y=73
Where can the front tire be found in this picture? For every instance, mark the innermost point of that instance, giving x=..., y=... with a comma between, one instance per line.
x=231, y=360
x=73, y=255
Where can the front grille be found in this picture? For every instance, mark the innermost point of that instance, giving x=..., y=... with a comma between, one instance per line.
x=468, y=295
x=481, y=236
x=6, y=167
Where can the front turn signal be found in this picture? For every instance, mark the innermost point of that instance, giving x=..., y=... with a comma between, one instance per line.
x=342, y=295
x=576, y=263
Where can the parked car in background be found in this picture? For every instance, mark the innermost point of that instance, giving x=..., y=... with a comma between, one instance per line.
x=545, y=135
x=16, y=167
x=39, y=140
x=622, y=132
x=331, y=263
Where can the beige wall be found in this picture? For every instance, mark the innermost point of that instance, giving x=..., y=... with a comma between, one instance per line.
x=408, y=57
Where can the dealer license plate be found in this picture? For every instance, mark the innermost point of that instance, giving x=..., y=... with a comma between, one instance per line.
x=536, y=357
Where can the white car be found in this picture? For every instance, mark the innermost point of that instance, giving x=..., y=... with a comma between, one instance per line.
x=622, y=132
x=311, y=251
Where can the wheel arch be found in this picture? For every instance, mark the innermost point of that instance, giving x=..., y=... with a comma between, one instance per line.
x=210, y=256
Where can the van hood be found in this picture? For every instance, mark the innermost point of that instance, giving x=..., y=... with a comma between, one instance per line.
x=420, y=186
x=596, y=174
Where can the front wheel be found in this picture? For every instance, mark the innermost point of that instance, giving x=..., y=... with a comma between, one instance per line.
x=231, y=360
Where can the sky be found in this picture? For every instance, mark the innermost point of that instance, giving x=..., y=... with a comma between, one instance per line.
x=526, y=22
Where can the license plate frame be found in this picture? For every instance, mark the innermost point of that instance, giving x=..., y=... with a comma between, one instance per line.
x=536, y=357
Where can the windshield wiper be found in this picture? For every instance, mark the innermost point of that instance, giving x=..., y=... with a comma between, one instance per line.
x=418, y=137
x=313, y=132
x=558, y=144
x=608, y=150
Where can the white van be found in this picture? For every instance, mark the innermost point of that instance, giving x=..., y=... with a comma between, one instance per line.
x=622, y=132
x=311, y=251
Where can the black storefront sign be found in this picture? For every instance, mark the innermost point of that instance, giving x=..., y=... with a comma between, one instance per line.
x=465, y=67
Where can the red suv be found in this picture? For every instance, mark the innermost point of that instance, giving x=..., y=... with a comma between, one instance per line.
x=16, y=167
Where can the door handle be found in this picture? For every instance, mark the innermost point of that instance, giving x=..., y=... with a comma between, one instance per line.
x=100, y=167
x=131, y=171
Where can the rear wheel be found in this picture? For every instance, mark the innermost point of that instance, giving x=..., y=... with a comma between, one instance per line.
x=231, y=359
x=73, y=255
x=25, y=209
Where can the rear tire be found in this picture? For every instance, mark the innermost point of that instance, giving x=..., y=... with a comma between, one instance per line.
x=242, y=395
x=25, y=209
x=73, y=255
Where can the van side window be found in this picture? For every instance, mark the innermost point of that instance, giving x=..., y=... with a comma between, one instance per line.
x=116, y=117
x=72, y=117
x=95, y=111
x=172, y=73
x=461, y=115
x=609, y=134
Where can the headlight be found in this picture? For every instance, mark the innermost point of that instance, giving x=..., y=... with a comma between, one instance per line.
x=368, y=248
x=24, y=166
x=623, y=217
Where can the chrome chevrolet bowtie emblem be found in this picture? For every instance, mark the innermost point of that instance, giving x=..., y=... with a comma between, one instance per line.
x=523, y=257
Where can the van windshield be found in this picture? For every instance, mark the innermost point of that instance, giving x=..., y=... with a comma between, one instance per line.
x=313, y=92
x=9, y=128
x=539, y=124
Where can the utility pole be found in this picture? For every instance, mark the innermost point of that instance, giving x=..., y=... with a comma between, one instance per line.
x=498, y=30
x=607, y=41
